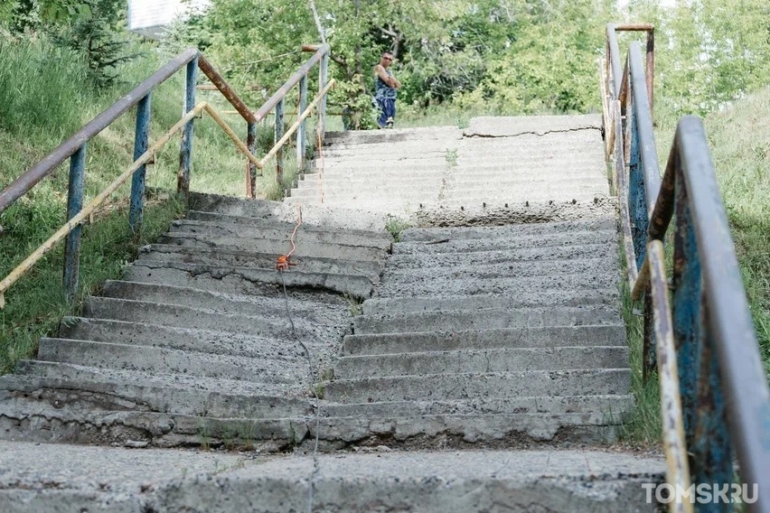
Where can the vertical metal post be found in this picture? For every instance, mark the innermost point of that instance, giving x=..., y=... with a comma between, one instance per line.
x=686, y=305
x=185, y=152
x=650, y=71
x=141, y=139
x=302, y=131
x=251, y=175
x=637, y=200
x=74, y=205
x=323, y=78
x=711, y=459
x=278, y=134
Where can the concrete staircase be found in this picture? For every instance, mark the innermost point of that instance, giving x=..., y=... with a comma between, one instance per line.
x=479, y=363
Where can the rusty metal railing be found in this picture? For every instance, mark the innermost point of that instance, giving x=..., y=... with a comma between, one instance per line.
x=714, y=395
x=74, y=148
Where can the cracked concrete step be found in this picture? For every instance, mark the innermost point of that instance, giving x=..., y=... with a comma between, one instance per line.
x=491, y=318
x=502, y=286
x=372, y=480
x=274, y=326
x=186, y=339
x=484, y=339
x=614, y=406
x=302, y=236
x=518, y=299
x=338, y=218
x=606, y=224
x=482, y=127
x=479, y=385
x=317, y=307
x=156, y=360
x=521, y=241
x=245, y=280
x=139, y=429
x=378, y=238
x=221, y=258
x=473, y=361
x=433, y=270
x=275, y=246
x=119, y=389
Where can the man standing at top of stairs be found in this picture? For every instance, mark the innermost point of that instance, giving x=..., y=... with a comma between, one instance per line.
x=385, y=91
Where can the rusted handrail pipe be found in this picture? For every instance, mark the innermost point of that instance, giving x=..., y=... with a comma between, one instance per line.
x=224, y=88
x=32, y=176
x=614, y=56
x=291, y=82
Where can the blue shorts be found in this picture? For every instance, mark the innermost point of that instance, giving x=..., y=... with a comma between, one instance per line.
x=387, y=112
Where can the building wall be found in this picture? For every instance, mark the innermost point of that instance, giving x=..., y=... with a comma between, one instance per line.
x=150, y=17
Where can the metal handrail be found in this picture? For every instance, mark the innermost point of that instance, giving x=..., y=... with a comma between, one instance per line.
x=714, y=392
x=75, y=149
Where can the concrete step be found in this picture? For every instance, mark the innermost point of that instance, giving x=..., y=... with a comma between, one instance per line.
x=614, y=406
x=422, y=176
x=187, y=339
x=337, y=218
x=301, y=237
x=276, y=246
x=84, y=388
x=471, y=361
x=502, y=286
x=312, y=307
x=502, y=243
x=415, y=261
x=433, y=270
x=480, y=385
x=492, y=318
x=518, y=481
x=156, y=360
x=221, y=259
x=447, y=201
x=508, y=230
x=275, y=326
x=30, y=421
x=514, y=300
x=376, y=238
x=485, y=127
x=391, y=136
x=245, y=280
x=485, y=339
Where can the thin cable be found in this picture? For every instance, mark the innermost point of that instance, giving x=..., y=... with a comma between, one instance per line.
x=316, y=463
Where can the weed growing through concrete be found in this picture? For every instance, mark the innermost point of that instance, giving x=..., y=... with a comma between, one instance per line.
x=395, y=226
x=451, y=158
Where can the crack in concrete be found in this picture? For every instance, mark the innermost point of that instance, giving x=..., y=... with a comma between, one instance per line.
x=531, y=132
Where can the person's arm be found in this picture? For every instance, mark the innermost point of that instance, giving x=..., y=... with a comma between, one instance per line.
x=379, y=70
x=396, y=83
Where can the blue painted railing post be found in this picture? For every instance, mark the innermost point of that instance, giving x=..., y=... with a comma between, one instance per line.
x=141, y=139
x=323, y=79
x=712, y=452
x=278, y=134
x=637, y=200
x=74, y=205
x=251, y=178
x=302, y=131
x=185, y=152
x=686, y=301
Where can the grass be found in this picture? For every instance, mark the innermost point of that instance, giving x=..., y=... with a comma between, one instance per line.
x=45, y=98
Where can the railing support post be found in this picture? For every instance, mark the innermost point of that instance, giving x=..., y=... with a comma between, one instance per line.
x=323, y=78
x=185, y=152
x=302, y=131
x=74, y=205
x=278, y=134
x=251, y=175
x=141, y=139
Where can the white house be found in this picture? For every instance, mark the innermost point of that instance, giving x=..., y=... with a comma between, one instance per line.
x=150, y=17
